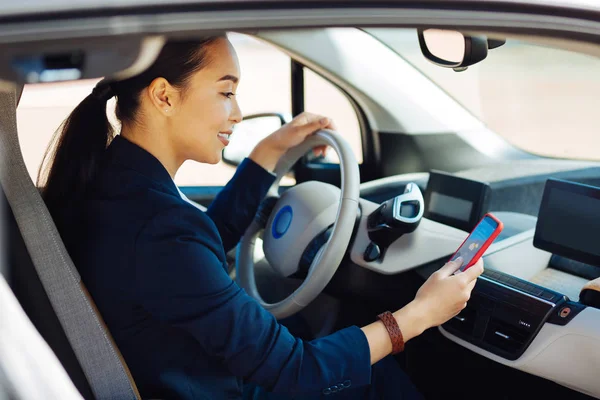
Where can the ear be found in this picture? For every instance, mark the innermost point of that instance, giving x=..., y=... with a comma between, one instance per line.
x=162, y=95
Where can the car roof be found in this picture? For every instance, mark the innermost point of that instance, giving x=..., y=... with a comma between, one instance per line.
x=37, y=8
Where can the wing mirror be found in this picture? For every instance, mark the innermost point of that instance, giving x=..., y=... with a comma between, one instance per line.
x=249, y=132
x=453, y=49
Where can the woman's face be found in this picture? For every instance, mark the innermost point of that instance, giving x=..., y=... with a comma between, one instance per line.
x=202, y=119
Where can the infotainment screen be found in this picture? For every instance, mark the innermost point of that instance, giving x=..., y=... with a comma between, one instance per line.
x=455, y=201
x=569, y=221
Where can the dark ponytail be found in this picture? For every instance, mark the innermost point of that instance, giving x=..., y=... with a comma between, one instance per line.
x=79, y=142
x=73, y=156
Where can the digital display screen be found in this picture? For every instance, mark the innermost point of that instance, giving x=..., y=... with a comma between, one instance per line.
x=571, y=221
x=475, y=241
x=456, y=201
x=451, y=207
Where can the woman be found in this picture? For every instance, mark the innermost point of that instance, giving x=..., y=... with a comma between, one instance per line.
x=155, y=265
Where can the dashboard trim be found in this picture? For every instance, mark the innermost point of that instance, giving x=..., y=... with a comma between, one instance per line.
x=545, y=356
x=553, y=304
x=431, y=241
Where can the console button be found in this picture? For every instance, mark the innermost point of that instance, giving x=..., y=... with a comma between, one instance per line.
x=563, y=315
x=372, y=252
x=564, y=312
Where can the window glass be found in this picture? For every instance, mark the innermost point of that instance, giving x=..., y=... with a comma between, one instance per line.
x=539, y=98
x=322, y=97
x=265, y=86
x=41, y=110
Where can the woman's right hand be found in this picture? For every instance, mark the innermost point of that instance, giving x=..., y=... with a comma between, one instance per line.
x=445, y=294
x=440, y=298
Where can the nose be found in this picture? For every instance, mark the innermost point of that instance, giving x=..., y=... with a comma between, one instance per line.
x=236, y=113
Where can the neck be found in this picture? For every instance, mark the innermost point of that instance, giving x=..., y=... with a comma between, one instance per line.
x=154, y=142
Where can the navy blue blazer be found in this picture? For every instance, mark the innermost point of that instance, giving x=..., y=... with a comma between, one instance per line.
x=155, y=266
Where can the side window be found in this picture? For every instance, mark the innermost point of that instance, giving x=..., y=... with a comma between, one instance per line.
x=42, y=108
x=265, y=86
x=322, y=97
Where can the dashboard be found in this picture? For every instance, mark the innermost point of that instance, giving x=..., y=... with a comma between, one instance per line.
x=525, y=311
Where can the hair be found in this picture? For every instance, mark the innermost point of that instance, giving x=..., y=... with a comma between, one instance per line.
x=73, y=156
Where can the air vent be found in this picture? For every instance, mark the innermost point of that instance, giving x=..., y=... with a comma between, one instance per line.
x=506, y=337
x=463, y=323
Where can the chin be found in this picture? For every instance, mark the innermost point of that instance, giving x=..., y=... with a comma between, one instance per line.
x=205, y=157
x=215, y=159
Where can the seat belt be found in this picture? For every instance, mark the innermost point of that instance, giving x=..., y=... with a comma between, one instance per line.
x=100, y=360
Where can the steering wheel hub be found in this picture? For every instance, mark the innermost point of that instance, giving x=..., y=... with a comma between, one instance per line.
x=301, y=213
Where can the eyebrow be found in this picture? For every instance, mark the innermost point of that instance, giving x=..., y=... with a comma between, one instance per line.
x=232, y=78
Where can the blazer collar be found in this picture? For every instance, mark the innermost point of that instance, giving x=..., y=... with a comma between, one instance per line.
x=134, y=157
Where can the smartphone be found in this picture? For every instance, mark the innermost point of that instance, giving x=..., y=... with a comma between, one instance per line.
x=478, y=241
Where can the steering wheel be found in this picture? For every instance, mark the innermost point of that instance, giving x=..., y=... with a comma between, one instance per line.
x=303, y=213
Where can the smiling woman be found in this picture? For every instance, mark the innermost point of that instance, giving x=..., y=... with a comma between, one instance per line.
x=155, y=264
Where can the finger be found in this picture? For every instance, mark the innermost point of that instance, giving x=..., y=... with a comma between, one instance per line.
x=320, y=150
x=331, y=125
x=471, y=285
x=311, y=126
x=473, y=272
x=451, y=267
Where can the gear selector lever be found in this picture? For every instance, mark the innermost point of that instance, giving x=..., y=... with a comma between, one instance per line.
x=392, y=219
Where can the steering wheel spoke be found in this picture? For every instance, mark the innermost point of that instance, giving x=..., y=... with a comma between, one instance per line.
x=265, y=209
x=308, y=228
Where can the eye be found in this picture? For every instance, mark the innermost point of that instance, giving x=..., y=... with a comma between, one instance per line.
x=228, y=94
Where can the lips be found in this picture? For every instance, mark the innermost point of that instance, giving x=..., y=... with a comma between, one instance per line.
x=224, y=137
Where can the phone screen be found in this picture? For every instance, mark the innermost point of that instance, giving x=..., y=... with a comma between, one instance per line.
x=475, y=241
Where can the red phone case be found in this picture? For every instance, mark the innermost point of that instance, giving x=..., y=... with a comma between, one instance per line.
x=485, y=245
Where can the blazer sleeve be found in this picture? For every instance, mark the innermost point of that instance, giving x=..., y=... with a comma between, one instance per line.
x=236, y=204
x=182, y=281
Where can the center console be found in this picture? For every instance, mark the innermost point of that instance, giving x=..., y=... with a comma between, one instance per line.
x=505, y=313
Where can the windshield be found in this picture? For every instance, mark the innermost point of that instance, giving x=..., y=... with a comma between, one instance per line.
x=540, y=99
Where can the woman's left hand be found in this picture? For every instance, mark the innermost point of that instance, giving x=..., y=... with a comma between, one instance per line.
x=269, y=150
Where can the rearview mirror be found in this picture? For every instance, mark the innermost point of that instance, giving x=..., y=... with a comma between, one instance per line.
x=453, y=49
x=249, y=132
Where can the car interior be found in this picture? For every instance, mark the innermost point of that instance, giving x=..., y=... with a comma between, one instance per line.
x=371, y=222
